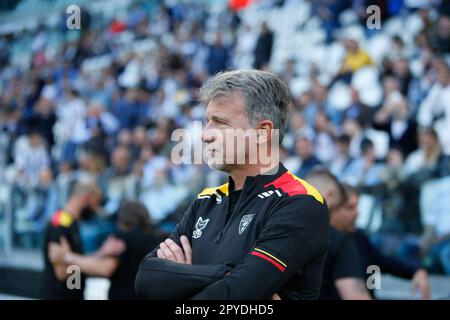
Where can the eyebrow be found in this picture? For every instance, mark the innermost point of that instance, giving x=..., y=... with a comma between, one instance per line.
x=216, y=118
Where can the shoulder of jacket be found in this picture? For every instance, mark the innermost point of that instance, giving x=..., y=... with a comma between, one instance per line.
x=214, y=191
x=61, y=218
x=292, y=185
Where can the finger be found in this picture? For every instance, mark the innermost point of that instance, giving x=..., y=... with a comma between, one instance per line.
x=426, y=292
x=175, y=248
x=187, y=249
x=275, y=297
x=167, y=252
x=415, y=288
x=160, y=254
x=64, y=242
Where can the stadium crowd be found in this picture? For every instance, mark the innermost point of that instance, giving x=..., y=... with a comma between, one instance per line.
x=100, y=103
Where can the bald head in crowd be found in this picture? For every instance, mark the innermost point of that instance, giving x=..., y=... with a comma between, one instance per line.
x=85, y=196
x=328, y=186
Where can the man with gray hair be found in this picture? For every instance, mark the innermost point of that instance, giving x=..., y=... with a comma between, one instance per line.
x=262, y=235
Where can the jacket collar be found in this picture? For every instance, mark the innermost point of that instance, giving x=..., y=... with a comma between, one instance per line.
x=260, y=180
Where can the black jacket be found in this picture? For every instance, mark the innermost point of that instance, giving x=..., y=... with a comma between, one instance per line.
x=274, y=241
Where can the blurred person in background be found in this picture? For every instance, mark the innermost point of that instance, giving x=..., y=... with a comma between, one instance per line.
x=434, y=110
x=365, y=170
x=263, y=47
x=342, y=159
x=427, y=162
x=344, y=220
x=31, y=158
x=355, y=58
x=119, y=256
x=324, y=147
x=304, y=150
x=162, y=188
x=42, y=120
x=394, y=118
x=343, y=276
x=63, y=228
x=218, y=56
x=319, y=103
x=116, y=178
x=70, y=125
x=358, y=110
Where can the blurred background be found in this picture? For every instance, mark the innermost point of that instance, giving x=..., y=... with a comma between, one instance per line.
x=101, y=102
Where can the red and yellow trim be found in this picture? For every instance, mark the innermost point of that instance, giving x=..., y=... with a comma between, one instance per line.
x=280, y=265
x=293, y=185
x=62, y=219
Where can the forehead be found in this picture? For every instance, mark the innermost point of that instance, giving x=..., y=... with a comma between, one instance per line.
x=227, y=106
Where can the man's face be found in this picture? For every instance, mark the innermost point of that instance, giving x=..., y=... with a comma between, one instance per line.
x=426, y=141
x=303, y=148
x=120, y=159
x=344, y=217
x=223, y=117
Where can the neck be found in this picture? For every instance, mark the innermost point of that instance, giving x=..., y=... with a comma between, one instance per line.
x=335, y=225
x=73, y=208
x=240, y=174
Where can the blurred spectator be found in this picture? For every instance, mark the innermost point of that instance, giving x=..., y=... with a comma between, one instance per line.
x=441, y=37
x=219, y=56
x=355, y=59
x=30, y=160
x=263, y=48
x=340, y=163
x=343, y=276
x=324, y=139
x=304, y=151
x=424, y=164
x=394, y=118
x=344, y=220
x=119, y=256
x=42, y=120
x=63, y=228
x=435, y=109
x=162, y=188
x=364, y=170
x=357, y=110
x=319, y=103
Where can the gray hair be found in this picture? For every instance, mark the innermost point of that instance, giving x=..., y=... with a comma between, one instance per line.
x=265, y=96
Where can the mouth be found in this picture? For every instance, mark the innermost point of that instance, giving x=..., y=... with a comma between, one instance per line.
x=211, y=153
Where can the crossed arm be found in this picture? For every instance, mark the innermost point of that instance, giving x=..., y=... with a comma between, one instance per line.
x=102, y=263
x=296, y=233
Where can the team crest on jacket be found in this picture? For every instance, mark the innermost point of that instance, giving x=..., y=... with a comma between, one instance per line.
x=199, y=226
x=245, y=221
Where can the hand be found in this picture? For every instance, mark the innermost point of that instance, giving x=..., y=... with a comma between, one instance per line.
x=58, y=251
x=421, y=282
x=275, y=297
x=171, y=251
x=112, y=246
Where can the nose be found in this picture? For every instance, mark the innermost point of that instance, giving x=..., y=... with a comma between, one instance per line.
x=207, y=136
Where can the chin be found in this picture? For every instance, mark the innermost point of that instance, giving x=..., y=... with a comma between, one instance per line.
x=215, y=166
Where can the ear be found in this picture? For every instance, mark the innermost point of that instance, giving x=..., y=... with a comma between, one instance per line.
x=265, y=131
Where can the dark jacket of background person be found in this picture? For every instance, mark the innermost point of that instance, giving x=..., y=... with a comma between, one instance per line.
x=343, y=261
x=263, y=49
x=407, y=142
x=61, y=224
x=139, y=237
x=218, y=56
x=370, y=255
x=138, y=243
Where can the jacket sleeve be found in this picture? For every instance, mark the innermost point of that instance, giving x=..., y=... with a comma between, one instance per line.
x=387, y=264
x=184, y=227
x=162, y=279
x=295, y=233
